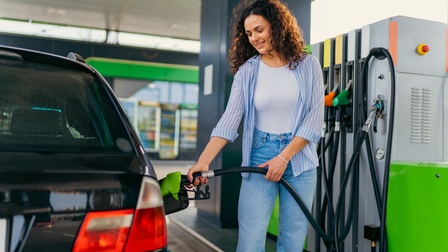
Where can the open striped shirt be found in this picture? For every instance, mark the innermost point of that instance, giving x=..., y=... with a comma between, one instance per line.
x=307, y=121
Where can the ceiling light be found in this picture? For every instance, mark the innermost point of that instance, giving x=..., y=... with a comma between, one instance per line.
x=56, y=12
x=180, y=27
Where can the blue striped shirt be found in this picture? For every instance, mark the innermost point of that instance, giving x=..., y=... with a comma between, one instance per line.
x=307, y=121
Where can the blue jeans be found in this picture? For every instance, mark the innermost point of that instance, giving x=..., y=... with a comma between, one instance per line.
x=258, y=195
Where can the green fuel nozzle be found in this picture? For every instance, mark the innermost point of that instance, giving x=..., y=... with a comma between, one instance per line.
x=343, y=98
x=171, y=184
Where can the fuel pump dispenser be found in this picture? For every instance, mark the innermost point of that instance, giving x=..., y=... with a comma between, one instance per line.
x=390, y=71
x=419, y=52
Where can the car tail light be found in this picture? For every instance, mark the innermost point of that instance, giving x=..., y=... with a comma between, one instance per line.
x=148, y=231
x=140, y=229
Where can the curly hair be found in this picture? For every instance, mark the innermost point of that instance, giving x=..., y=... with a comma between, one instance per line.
x=287, y=39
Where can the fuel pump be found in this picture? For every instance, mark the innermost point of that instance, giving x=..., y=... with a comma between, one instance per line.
x=394, y=50
x=417, y=49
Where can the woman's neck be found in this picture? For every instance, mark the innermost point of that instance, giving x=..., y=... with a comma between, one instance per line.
x=273, y=60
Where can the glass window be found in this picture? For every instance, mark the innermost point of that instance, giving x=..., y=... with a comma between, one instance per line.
x=51, y=108
x=158, y=91
x=177, y=92
x=191, y=92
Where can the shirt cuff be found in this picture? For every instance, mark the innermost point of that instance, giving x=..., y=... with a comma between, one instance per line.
x=308, y=135
x=224, y=133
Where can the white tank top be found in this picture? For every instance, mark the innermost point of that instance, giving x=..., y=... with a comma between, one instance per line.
x=275, y=99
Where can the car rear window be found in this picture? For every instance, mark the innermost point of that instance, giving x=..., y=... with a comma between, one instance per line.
x=53, y=108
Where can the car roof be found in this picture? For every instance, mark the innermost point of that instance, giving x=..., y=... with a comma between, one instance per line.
x=72, y=60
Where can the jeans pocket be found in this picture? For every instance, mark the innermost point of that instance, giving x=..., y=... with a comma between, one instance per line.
x=258, y=142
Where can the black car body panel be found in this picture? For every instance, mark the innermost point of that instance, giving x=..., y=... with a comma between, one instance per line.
x=59, y=201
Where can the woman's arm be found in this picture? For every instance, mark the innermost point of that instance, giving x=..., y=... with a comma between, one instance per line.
x=213, y=147
x=277, y=165
x=224, y=131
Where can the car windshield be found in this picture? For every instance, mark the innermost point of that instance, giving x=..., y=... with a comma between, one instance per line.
x=57, y=109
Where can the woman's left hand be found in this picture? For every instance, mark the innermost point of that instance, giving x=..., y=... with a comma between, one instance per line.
x=276, y=168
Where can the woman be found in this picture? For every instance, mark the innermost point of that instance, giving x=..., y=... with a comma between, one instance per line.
x=279, y=90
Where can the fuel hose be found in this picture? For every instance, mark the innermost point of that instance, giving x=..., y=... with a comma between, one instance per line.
x=286, y=184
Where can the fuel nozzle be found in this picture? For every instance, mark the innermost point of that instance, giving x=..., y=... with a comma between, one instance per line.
x=379, y=105
x=369, y=120
x=171, y=184
x=376, y=110
x=343, y=98
x=379, y=110
x=330, y=96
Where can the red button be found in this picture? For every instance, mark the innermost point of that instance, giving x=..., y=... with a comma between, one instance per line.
x=422, y=49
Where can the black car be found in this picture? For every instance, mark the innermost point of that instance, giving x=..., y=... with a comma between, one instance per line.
x=73, y=173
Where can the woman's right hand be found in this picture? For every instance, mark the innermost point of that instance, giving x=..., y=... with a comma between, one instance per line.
x=197, y=167
x=212, y=149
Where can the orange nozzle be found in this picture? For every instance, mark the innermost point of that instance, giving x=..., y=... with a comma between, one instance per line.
x=329, y=99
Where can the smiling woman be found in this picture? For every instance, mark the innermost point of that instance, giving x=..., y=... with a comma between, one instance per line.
x=277, y=91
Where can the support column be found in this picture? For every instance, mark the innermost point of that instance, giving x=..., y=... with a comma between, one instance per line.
x=215, y=82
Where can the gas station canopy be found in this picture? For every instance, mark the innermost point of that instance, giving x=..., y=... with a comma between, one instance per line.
x=168, y=18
